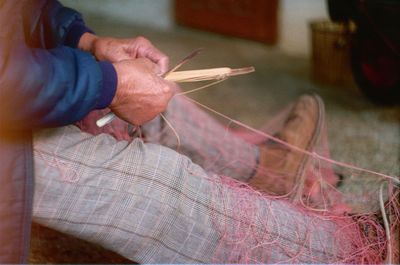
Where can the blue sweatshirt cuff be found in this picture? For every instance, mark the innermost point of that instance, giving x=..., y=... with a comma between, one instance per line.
x=75, y=32
x=109, y=85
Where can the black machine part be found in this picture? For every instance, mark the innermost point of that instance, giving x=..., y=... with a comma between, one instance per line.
x=375, y=47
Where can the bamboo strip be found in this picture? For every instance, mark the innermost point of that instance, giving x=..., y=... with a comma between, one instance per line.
x=206, y=74
x=184, y=60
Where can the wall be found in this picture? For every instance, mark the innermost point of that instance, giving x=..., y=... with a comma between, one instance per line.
x=152, y=13
x=294, y=16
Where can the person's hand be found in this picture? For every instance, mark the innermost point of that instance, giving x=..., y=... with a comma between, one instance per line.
x=115, y=50
x=141, y=93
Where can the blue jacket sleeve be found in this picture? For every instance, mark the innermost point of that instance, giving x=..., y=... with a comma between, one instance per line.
x=48, y=24
x=41, y=88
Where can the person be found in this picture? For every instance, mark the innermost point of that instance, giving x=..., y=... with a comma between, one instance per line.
x=137, y=195
x=48, y=78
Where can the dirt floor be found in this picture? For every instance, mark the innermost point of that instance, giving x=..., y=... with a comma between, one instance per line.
x=359, y=132
x=49, y=246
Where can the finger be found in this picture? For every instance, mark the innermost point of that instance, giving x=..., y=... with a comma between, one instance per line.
x=155, y=56
x=144, y=48
x=164, y=64
x=159, y=58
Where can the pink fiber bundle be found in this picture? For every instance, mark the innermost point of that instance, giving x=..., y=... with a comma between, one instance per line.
x=313, y=222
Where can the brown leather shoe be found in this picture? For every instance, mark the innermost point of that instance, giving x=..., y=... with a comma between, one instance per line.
x=281, y=169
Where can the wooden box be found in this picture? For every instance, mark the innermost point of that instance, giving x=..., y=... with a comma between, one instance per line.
x=251, y=19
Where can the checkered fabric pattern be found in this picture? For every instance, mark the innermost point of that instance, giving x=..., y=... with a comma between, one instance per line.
x=202, y=138
x=154, y=205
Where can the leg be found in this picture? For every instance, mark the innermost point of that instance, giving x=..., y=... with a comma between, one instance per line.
x=154, y=205
x=271, y=167
x=205, y=140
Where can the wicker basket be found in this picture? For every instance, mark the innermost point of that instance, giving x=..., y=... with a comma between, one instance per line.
x=331, y=52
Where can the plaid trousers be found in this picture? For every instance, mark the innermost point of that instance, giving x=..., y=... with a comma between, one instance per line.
x=152, y=204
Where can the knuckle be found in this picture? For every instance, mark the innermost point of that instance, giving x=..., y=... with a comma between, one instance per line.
x=165, y=61
x=142, y=40
x=167, y=89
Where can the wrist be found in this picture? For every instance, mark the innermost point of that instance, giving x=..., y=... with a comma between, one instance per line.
x=87, y=42
x=117, y=85
x=75, y=31
x=108, y=86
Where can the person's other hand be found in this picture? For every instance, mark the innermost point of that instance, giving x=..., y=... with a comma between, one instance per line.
x=115, y=50
x=141, y=93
